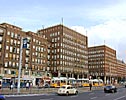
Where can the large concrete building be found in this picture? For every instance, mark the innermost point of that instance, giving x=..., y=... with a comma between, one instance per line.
x=121, y=70
x=68, y=54
x=55, y=51
x=104, y=64
x=34, y=57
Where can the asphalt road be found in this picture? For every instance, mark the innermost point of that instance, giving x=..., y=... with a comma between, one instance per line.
x=92, y=95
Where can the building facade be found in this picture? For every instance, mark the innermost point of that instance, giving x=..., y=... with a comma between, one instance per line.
x=121, y=70
x=36, y=54
x=68, y=54
x=10, y=50
x=102, y=63
x=34, y=57
x=55, y=51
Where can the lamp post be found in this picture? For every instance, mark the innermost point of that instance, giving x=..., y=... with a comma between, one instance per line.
x=22, y=45
x=20, y=65
x=110, y=73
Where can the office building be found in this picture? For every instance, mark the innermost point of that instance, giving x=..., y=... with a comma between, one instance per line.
x=121, y=70
x=34, y=56
x=102, y=63
x=68, y=54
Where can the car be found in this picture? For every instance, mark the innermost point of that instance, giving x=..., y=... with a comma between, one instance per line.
x=67, y=90
x=2, y=97
x=110, y=88
x=46, y=85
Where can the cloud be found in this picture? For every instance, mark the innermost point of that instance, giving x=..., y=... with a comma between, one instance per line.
x=111, y=33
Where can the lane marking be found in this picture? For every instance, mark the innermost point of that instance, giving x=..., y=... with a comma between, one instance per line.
x=107, y=94
x=91, y=93
x=93, y=98
x=119, y=98
x=25, y=95
x=47, y=99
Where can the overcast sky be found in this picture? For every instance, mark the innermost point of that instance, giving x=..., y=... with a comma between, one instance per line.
x=104, y=20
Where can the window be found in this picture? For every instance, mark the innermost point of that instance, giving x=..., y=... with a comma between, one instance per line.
x=14, y=56
x=12, y=72
x=13, y=64
x=18, y=50
x=10, y=56
x=16, y=36
x=1, y=39
x=9, y=63
x=17, y=57
x=8, y=33
x=33, y=47
x=28, y=45
x=33, y=40
x=18, y=42
x=6, y=64
x=15, y=42
x=11, y=41
x=27, y=60
x=7, y=47
x=5, y=72
x=27, y=52
x=14, y=50
x=17, y=64
x=0, y=46
x=11, y=49
x=12, y=34
x=6, y=55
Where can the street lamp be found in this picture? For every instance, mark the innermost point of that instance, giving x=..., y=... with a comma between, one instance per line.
x=22, y=45
x=110, y=73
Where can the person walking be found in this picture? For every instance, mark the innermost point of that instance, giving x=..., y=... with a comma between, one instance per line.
x=27, y=85
x=11, y=85
x=90, y=85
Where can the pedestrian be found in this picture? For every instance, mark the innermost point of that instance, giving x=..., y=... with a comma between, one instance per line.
x=11, y=87
x=27, y=85
x=11, y=83
x=90, y=85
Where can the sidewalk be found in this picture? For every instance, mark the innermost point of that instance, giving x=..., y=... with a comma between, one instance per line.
x=7, y=91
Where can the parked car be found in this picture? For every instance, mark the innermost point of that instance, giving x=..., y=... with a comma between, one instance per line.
x=2, y=97
x=110, y=88
x=67, y=90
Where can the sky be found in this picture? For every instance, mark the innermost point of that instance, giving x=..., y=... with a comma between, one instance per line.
x=103, y=21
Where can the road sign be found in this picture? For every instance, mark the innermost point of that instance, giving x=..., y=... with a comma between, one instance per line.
x=25, y=43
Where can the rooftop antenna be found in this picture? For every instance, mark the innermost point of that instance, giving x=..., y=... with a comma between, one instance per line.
x=86, y=32
x=14, y=24
x=104, y=42
x=62, y=21
x=42, y=26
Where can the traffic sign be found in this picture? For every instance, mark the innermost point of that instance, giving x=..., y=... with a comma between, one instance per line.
x=25, y=43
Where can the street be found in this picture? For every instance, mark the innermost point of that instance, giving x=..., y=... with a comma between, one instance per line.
x=91, y=95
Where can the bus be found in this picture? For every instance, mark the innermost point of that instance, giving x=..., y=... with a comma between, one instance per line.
x=58, y=81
